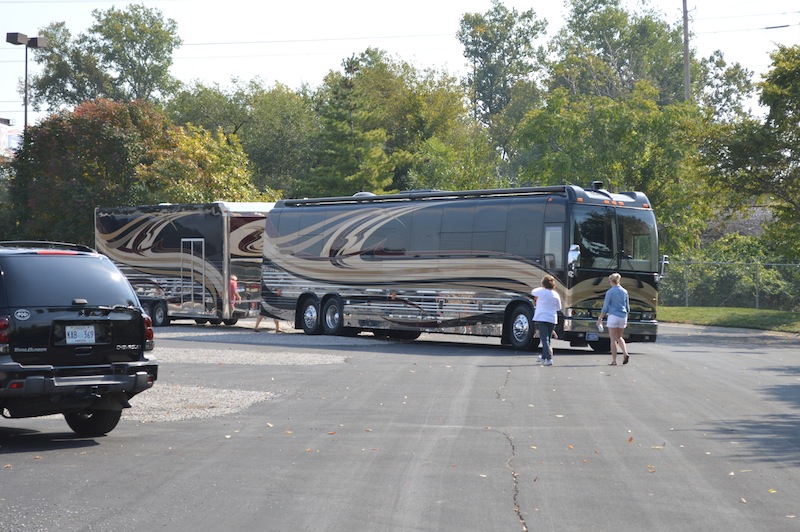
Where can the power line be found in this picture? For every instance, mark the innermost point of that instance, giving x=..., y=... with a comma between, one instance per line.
x=782, y=26
x=749, y=16
x=327, y=39
x=57, y=2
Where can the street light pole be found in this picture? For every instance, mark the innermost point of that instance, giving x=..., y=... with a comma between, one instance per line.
x=33, y=42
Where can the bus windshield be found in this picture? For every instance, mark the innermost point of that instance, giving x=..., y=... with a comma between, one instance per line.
x=600, y=230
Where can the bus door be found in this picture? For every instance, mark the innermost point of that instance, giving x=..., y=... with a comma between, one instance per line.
x=193, y=275
x=554, y=256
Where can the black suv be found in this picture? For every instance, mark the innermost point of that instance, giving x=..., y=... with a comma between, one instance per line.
x=74, y=339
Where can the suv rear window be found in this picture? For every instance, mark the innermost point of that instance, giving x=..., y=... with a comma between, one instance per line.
x=29, y=281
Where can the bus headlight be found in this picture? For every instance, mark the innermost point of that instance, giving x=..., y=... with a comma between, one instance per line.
x=578, y=313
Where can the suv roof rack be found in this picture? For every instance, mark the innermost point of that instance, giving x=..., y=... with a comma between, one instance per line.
x=45, y=244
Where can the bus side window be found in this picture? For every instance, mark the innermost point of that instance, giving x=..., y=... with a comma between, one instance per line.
x=456, y=235
x=553, y=247
x=426, y=228
x=489, y=227
x=524, y=228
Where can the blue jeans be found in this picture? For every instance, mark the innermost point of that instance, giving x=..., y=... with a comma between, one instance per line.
x=545, y=330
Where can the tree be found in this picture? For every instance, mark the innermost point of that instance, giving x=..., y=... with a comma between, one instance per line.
x=126, y=55
x=604, y=50
x=499, y=44
x=760, y=159
x=725, y=89
x=110, y=153
x=374, y=117
x=281, y=137
x=410, y=105
x=630, y=144
x=201, y=167
x=276, y=126
x=349, y=158
x=461, y=159
x=212, y=107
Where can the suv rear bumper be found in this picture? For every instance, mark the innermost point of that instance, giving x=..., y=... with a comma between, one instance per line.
x=28, y=391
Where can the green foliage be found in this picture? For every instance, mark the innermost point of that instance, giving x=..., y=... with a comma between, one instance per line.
x=725, y=88
x=126, y=55
x=74, y=161
x=277, y=127
x=112, y=154
x=374, y=118
x=201, y=167
x=628, y=143
x=733, y=271
x=463, y=160
x=211, y=107
x=351, y=158
x=604, y=50
x=744, y=318
x=758, y=160
x=499, y=44
x=606, y=105
x=280, y=137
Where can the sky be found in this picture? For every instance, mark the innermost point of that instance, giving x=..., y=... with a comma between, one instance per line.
x=298, y=42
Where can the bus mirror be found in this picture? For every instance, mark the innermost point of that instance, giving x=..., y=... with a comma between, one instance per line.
x=573, y=256
x=663, y=271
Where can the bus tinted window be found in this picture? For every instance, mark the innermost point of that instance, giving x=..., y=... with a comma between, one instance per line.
x=524, y=233
x=457, y=227
x=426, y=225
x=388, y=237
x=637, y=229
x=593, y=231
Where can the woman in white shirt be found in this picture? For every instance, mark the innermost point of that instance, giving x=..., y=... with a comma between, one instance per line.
x=548, y=303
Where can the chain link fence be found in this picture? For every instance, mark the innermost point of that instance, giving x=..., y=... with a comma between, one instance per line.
x=731, y=284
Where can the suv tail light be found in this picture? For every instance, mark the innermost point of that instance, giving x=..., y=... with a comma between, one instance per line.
x=148, y=332
x=4, y=326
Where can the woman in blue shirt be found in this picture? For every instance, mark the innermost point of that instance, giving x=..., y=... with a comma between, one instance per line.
x=616, y=306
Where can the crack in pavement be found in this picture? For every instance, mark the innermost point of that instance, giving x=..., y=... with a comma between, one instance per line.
x=498, y=392
x=514, y=475
x=511, y=458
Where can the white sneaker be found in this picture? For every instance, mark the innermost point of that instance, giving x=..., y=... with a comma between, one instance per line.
x=540, y=358
x=548, y=362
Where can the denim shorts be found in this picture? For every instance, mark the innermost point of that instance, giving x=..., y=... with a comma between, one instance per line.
x=615, y=322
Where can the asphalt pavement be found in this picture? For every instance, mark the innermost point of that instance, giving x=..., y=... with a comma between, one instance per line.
x=288, y=432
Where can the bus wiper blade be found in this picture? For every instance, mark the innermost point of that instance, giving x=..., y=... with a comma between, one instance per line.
x=627, y=257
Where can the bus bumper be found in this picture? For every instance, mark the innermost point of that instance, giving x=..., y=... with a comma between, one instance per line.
x=583, y=331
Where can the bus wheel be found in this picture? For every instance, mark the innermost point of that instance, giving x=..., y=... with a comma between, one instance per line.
x=311, y=321
x=522, y=329
x=230, y=321
x=603, y=345
x=159, y=314
x=332, y=322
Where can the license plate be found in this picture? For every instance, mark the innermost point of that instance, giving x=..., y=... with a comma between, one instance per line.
x=592, y=337
x=80, y=334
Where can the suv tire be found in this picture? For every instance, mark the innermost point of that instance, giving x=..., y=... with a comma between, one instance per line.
x=92, y=423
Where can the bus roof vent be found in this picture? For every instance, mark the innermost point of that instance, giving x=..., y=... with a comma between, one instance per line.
x=597, y=185
x=363, y=194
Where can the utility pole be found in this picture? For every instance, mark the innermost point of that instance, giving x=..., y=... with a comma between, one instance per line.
x=687, y=92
